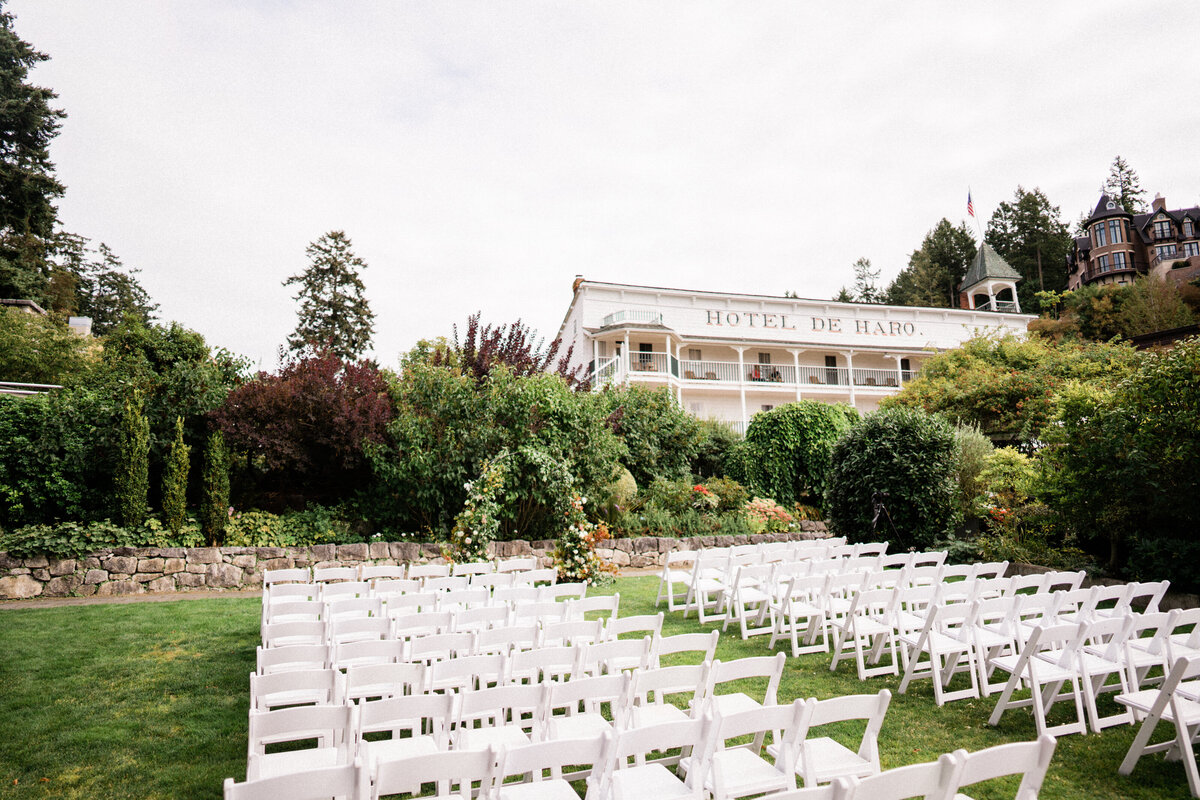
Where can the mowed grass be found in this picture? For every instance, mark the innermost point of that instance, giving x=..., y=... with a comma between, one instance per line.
x=150, y=701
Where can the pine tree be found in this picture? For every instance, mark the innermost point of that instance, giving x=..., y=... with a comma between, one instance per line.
x=133, y=464
x=334, y=314
x=1030, y=235
x=865, y=276
x=1124, y=186
x=28, y=186
x=214, y=489
x=175, y=478
x=935, y=271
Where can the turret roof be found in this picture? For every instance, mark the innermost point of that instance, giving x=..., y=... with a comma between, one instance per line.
x=989, y=264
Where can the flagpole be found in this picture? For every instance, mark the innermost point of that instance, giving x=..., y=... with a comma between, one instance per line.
x=975, y=216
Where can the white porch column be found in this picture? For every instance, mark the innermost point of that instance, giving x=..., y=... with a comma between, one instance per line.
x=899, y=369
x=678, y=378
x=850, y=374
x=742, y=386
x=991, y=296
x=796, y=368
x=595, y=363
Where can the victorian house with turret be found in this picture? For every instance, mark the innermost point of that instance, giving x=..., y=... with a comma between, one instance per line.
x=1119, y=246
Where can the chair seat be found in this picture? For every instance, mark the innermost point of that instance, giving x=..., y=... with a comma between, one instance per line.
x=556, y=789
x=747, y=773
x=1143, y=700
x=657, y=714
x=274, y=764
x=293, y=697
x=392, y=749
x=727, y=704
x=651, y=780
x=481, y=738
x=831, y=759
x=938, y=643
x=1046, y=671
x=987, y=639
x=577, y=726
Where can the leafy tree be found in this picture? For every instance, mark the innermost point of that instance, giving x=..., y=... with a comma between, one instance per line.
x=1154, y=304
x=175, y=481
x=516, y=346
x=302, y=430
x=973, y=450
x=214, y=489
x=906, y=458
x=865, y=288
x=713, y=452
x=660, y=438
x=334, y=314
x=39, y=349
x=1100, y=313
x=936, y=269
x=104, y=288
x=786, y=451
x=1030, y=234
x=1124, y=186
x=28, y=186
x=1006, y=385
x=133, y=464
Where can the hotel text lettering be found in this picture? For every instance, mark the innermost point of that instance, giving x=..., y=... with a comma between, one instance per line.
x=758, y=319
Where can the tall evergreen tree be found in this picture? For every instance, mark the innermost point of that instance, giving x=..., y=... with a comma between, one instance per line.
x=175, y=480
x=28, y=186
x=1030, y=234
x=334, y=314
x=936, y=269
x=1124, y=186
x=865, y=289
x=133, y=466
x=214, y=489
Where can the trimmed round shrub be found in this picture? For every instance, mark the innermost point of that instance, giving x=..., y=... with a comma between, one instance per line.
x=910, y=458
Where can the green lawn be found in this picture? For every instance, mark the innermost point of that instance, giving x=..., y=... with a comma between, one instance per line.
x=150, y=701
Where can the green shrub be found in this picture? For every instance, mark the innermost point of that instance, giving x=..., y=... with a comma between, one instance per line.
x=479, y=521
x=175, y=480
x=214, y=489
x=714, y=449
x=973, y=450
x=908, y=456
x=787, y=449
x=731, y=495
x=133, y=462
x=767, y=516
x=672, y=496
x=660, y=438
x=315, y=525
x=75, y=539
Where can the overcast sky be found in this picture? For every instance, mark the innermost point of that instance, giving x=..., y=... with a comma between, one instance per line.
x=481, y=154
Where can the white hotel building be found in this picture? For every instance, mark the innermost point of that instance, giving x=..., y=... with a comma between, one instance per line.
x=728, y=356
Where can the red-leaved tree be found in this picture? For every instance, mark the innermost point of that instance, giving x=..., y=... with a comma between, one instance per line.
x=516, y=346
x=302, y=430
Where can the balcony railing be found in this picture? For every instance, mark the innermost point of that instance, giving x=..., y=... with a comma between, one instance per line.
x=1001, y=306
x=629, y=315
x=659, y=366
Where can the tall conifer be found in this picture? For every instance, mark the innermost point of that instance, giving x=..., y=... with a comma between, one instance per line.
x=334, y=314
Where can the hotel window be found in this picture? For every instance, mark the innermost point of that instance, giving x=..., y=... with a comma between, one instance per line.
x=1165, y=251
x=1162, y=229
x=767, y=408
x=1114, y=231
x=602, y=349
x=1119, y=261
x=1102, y=263
x=764, y=358
x=1098, y=233
x=1188, y=228
x=1191, y=248
x=694, y=354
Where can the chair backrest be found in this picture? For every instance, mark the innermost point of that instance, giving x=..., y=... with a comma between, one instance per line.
x=562, y=591
x=414, y=715
x=632, y=746
x=870, y=549
x=535, y=576
x=423, y=623
x=653, y=686
x=330, y=725
x=991, y=569
x=321, y=783
x=279, y=634
x=473, y=568
x=538, y=612
x=542, y=664
x=292, y=657
x=604, y=657
x=604, y=605
x=521, y=705
x=481, y=618
x=677, y=557
x=467, y=672
x=446, y=583
x=296, y=687
x=327, y=574
x=551, y=756
x=640, y=623
x=514, y=594
x=291, y=591
x=492, y=580
x=870, y=707
x=369, y=572
x=454, y=771
x=1028, y=759
x=930, y=558
x=1145, y=597
x=1025, y=584
x=1062, y=581
x=461, y=599
x=790, y=719
x=423, y=571
x=769, y=667
x=345, y=590
x=933, y=779
x=384, y=680
x=680, y=643
x=368, y=651
x=388, y=587
x=295, y=575
x=358, y=629
x=1181, y=642
x=516, y=565
x=440, y=646
x=587, y=695
x=293, y=610
x=571, y=632
x=507, y=639
x=353, y=606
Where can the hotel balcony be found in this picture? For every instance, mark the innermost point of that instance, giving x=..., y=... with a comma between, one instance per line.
x=662, y=368
x=1002, y=306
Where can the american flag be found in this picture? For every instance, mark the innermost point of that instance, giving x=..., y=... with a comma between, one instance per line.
x=970, y=205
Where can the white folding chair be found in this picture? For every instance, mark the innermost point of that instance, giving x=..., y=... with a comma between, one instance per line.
x=932, y=779
x=296, y=687
x=766, y=671
x=330, y=726
x=602, y=607
x=347, y=781
x=503, y=716
x=946, y=642
x=631, y=774
x=612, y=656
x=820, y=759
x=542, y=664
x=740, y=771
x=674, y=647
x=1175, y=702
x=868, y=627
x=676, y=570
x=330, y=574
x=380, y=572
x=1100, y=656
x=292, y=657
x=801, y=607
x=1030, y=760
x=747, y=597
x=576, y=708
x=282, y=634
x=1045, y=677
x=704, y=585
x=553, y=756
x=467, y=673
x=418, y=726
x=453, y=772
x=654, y=692
x=384, y=680
x=645, y=624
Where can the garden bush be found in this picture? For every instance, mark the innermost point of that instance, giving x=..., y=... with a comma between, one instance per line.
x=661, y=439
x=786, y=451
x=910, y=459
x=973, y=450
x=73, y=539
x=714, y=449
x=314, y=525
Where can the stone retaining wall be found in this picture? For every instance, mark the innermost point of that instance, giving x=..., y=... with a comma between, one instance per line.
x=136, y=570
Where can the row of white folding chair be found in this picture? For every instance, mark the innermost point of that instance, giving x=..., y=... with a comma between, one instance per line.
x=542, y=579
x=366, y=572
x=1177, y=702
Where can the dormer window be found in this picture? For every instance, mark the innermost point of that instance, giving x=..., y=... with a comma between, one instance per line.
x=1112, y=205
x=1162, y=229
